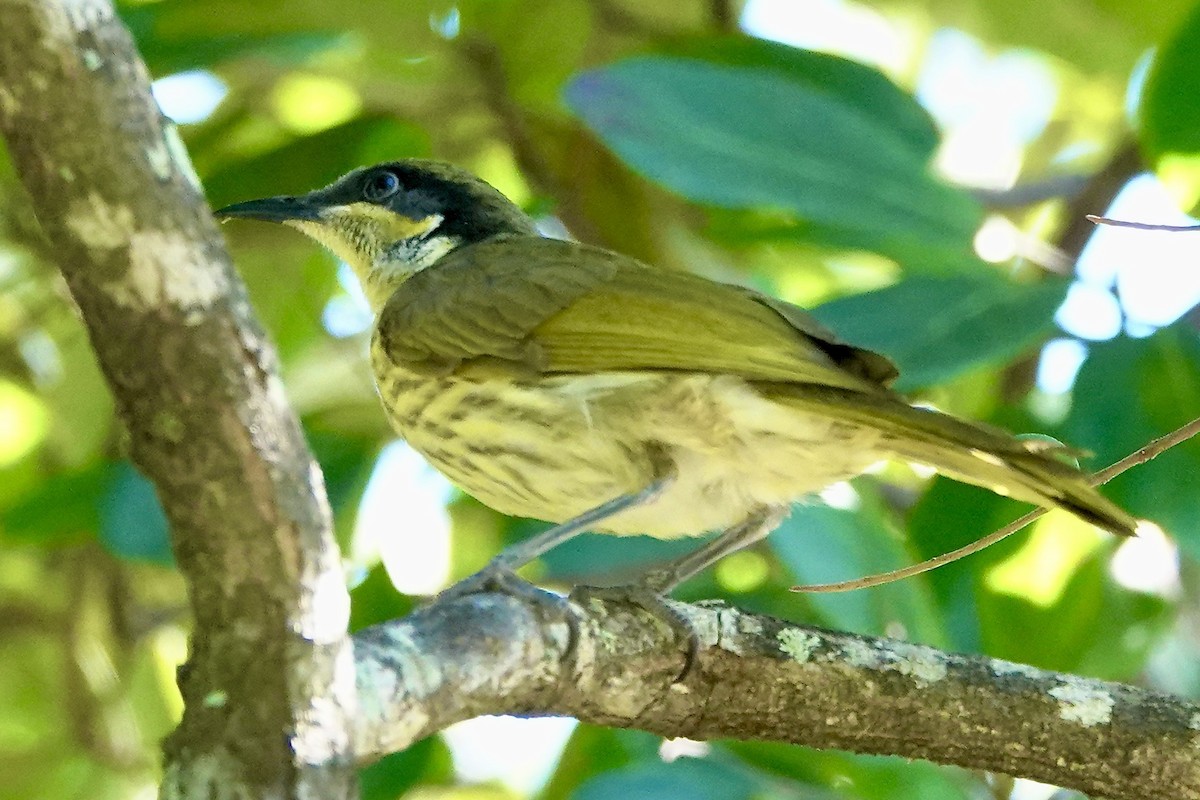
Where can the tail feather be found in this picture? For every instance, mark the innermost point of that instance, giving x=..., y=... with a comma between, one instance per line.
x=968, y=452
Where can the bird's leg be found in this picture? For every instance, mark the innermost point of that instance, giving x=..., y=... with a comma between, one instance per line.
x=648, y=591
x=522, y=553
x=754, y=528
x=500, y=573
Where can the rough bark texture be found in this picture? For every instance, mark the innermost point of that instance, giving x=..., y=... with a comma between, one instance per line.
x=761, y=678
x=269, y=685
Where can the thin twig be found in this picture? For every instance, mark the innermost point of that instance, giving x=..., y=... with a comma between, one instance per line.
x=1099, y=193
x=1141, y=226
x=1105, y=475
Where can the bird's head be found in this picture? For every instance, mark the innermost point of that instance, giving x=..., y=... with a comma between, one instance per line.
x=392, y=220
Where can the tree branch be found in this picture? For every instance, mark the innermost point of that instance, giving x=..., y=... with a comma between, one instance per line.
x=762, y=678
x=269, y=686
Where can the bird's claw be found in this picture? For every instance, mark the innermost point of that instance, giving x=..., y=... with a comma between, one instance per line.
x=501, y=579
x=648, y=598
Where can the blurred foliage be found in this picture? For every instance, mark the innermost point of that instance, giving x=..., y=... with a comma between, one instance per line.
x=659, y=129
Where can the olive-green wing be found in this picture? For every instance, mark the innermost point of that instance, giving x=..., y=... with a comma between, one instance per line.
x=483, y=302
x=561, y=307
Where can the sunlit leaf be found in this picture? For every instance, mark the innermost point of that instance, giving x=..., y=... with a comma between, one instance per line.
x=1129, y=392
x=1169, y=115
x=1092, y=627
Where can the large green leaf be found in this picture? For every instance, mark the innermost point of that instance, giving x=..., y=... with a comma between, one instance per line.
x=592, y=751
x=1169, y=113
x=1092, y=627
x=62, y=509
x=133, y=524
x=855, y=775
x=1129, y=392
x=820, y=544
x=693, y=779
x=948, y=516
x=855, y=85
x=194, y=49
x=935, y=328
x=601, y=558
x=427, y=763
x=758, y=137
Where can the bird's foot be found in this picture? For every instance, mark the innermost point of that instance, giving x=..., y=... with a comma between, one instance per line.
x=500, y=578
x=648, y=596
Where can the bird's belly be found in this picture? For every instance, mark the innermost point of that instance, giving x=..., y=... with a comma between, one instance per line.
x=560, y=446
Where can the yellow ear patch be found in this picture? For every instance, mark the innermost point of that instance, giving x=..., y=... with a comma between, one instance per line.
x=390, y=224
x=359, y=233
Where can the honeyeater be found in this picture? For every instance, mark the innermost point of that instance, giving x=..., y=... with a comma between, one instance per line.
x=569, y=383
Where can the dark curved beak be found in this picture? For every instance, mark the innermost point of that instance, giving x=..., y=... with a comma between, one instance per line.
x=271, y=209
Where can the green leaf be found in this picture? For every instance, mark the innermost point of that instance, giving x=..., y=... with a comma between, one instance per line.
x=533, y=73
x=936, y=328
x=166, y=53
x=853, y=84
x=740, y=137
x=80, y=405
x=1169, y=113
x=590, y=557
x=685, y=778
x=1098, y=38
x=854, y=775
x=1129, y=392
x=132, y=522
x=426, y=763
x=593, y=750
x=820, y=544
x=376, y=600
x=1098, y=629
x=346, y=461
x=61, y=510
x=949, y=515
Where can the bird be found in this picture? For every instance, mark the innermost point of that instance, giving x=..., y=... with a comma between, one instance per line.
x=566, y=382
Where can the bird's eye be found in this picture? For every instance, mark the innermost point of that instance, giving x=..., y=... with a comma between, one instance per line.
x=380, y=186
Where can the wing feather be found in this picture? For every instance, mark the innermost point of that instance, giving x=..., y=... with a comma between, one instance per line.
x=567, y=308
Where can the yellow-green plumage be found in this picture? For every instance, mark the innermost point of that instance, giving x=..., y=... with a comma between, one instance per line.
x=548, y=377
x=538, y=384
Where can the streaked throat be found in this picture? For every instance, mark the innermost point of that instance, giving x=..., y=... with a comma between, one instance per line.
x=399, y=262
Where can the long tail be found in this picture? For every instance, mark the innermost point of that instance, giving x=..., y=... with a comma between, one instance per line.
x=972, y=453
